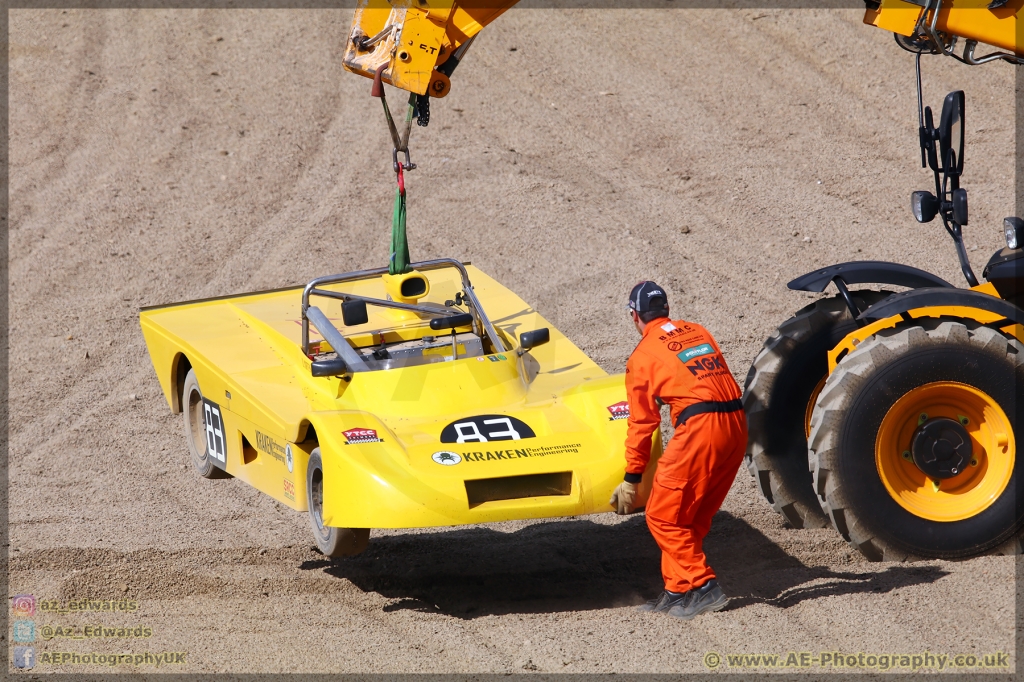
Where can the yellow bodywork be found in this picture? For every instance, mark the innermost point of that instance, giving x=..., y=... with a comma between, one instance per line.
x=968, y=19
x=246, y=354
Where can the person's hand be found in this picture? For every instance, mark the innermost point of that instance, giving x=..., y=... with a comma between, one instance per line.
x=623, y=498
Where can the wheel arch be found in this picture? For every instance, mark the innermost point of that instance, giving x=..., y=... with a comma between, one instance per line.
x=180, y=367
x=307, y=433
x=973, y=308
x=868, y=272
x=938, y=297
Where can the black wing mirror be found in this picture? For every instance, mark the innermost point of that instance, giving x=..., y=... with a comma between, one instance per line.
x=951, y=134
x=452, y=321
x=353, y=313
x=329, y=368
x=530, y=340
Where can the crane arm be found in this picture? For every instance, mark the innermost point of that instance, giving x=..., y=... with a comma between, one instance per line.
x=936, y=25
x=419, y=42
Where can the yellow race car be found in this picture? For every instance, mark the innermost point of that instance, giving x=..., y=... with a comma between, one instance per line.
x=373, y=400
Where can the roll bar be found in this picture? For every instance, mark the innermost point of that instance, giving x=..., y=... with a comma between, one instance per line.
x=481, y=325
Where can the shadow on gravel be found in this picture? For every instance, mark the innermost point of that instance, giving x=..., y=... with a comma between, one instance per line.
x=579, y=565
x=572, y=565
x=754, y=570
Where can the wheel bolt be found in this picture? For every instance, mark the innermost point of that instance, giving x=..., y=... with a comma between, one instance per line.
x=922, y=419
x=974, y=462
x=906, y=454
x=963, y=420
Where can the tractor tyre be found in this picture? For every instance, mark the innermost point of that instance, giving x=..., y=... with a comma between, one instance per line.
x=194, y=414
x=778, y=395
x=332, y=542
x=913, y=440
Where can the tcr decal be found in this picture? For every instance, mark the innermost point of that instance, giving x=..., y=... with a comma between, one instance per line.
x=619, y=410
x=357, y=436
x=486, y=428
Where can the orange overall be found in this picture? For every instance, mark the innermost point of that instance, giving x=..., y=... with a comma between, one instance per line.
x=678, y=363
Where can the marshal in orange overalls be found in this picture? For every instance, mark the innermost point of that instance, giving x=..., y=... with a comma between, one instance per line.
x=679, y=364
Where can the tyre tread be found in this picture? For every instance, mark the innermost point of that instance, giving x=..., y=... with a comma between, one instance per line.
x=835, y=399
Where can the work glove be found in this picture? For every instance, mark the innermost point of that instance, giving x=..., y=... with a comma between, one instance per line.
x=623, y=498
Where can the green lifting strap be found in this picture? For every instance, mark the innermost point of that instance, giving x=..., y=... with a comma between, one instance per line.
x=399, y=262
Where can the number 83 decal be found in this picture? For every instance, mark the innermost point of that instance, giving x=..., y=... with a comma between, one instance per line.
x=486, y=428
x=215, y=445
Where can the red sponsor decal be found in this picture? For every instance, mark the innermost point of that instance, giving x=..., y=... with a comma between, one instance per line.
x=289, y=489
x=619, y=410
x=355, y=436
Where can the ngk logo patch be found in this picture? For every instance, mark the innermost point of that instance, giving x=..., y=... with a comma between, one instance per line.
x=619, y=411
x=358, y=436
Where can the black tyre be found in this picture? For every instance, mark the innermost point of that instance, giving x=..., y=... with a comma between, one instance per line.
x=333, y=542
x=195, y=428
x=914, y=442
x=778, y=395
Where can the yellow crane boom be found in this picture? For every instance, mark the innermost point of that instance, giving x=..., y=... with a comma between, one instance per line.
x=418, y=43
x=939, y=24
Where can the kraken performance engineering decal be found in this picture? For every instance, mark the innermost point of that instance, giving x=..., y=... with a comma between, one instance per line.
x=485, y=429
x=359, y=436
x=270, y=446
x=514, y=453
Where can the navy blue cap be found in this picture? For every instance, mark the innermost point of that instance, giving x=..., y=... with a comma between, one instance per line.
x=648, y=296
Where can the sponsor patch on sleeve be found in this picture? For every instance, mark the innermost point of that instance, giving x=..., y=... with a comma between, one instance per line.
x=696, y=352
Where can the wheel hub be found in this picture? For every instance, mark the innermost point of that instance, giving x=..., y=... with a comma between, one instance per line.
x=941, y=448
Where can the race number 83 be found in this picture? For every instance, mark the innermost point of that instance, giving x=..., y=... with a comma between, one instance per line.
x=214, y=432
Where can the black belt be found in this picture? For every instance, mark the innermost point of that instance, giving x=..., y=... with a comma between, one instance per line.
x=708, y=406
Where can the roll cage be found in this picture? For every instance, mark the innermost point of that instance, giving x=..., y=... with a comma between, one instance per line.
x=349, y=360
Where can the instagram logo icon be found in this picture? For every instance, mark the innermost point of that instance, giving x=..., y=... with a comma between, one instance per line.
x=23, y=605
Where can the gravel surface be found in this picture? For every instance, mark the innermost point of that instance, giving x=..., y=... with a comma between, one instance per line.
x=159, y=156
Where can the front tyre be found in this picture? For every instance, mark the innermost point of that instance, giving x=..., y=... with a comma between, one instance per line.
x=195, y=429
x=333, y=542
x=913, y=441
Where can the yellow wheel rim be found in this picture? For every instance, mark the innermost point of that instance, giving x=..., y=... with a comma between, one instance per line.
x=809, y=410
x=972, y=490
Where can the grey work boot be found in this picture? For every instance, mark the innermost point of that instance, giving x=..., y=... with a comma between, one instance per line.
x=707, y=597
x=663, y=602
